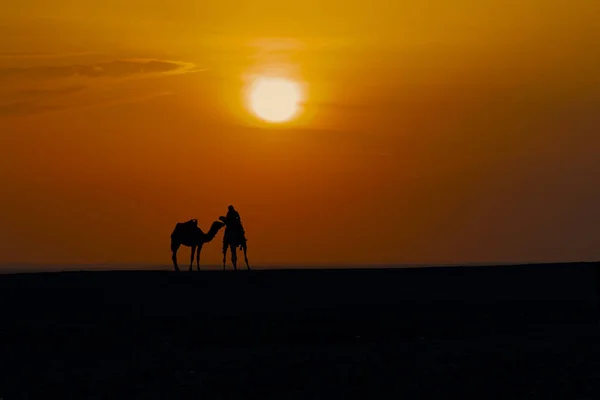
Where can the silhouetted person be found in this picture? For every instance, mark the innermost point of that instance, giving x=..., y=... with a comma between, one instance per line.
x=233, y=219
x=234, y=237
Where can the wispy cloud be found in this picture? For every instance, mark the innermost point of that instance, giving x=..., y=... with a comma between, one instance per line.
x=34, y=89
x=44, y=92
x=26, y=107
x=111, y=69
x=34, y=55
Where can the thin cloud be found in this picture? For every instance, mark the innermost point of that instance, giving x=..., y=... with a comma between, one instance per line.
x=111, y=69
x=49, y=92
x=126, y=100
x=36, y=89
x=34, y=55
x=16, y=108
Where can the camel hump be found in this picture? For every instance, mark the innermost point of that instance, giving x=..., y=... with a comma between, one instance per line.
x=189, y=224
x=186, y=227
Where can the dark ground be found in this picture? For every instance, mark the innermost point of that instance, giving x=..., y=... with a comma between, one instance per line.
x=493, y=332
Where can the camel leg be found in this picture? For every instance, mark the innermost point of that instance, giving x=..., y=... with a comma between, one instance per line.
x=174, y=248
x=246, y=257
x=174, y=258
x=234, y=257
x=192, y=258
x=224, y=255
x=198, y=257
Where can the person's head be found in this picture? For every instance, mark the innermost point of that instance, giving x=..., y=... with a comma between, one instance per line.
x=230, y=208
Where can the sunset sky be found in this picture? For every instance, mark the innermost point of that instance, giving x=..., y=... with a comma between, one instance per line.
x=428, y=131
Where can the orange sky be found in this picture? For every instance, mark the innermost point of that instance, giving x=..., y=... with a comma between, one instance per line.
x=442, y=132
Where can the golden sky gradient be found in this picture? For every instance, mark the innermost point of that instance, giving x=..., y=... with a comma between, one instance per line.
x=430, y=132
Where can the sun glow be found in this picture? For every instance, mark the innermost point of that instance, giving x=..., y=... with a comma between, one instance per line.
x=274, y=99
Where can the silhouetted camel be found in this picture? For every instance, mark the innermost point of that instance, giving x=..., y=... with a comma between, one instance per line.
x=233, y=238
x=189, y=234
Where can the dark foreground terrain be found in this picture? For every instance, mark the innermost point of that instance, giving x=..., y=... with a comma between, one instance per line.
x=493, y=332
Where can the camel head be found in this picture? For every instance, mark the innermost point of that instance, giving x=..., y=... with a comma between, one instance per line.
x=214, y=229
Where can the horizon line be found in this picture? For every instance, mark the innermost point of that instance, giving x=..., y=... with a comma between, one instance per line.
x=29, y=267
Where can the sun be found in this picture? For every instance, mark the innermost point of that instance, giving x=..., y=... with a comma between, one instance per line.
x=274, y=99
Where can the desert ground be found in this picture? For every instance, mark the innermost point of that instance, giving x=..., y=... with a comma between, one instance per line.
x=511, y=332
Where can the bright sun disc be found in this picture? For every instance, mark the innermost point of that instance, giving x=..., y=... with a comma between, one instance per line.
x=274, y=99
